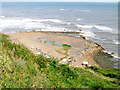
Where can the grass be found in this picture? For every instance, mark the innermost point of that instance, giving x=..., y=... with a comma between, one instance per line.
x=21, y=69
x=112, y=73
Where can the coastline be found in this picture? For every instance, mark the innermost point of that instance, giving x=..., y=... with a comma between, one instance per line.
x=82, y=49
x=23, y=66
x=59, y=45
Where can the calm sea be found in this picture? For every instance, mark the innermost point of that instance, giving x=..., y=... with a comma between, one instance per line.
x=98, y=20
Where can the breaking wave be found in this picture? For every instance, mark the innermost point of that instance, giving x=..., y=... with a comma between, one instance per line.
x=87, y=34
x=25, y=23
x=79, y=19
x=99, y=27
x=115, y=56
x=2, y=17
x=85, y=10
x=62, y=9
x=116, y=42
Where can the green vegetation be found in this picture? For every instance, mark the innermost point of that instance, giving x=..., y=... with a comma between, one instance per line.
x=52, y=43
x=66, y=45
x=20, y=68
x=112, y=73
x=56, y=44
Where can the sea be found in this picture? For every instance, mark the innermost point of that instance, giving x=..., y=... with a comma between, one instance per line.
x=99, y=21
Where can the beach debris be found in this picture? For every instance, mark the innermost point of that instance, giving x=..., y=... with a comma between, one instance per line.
x=85, y=63
x=48, y=57
x=88, y=65
x=40, y=50
x=38, y=53
x=74, y=60
x=44, y=53
x=69, y=60
x=64, y=60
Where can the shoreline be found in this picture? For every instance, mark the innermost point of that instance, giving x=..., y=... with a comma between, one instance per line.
x=77, y=32
x=82, y=49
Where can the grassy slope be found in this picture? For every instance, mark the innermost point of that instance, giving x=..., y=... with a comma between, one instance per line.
x=21, y=69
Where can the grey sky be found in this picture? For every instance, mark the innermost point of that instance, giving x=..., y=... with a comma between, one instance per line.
x=60, y=0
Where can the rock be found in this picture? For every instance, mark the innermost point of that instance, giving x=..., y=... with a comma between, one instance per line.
x=64, y=60
x=38, y=53
x=48, y=57
x=69, y=60
x=88, y=65
x=85, y=63
x=74, y=60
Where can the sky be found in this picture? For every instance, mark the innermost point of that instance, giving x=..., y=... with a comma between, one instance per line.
x=59, y=0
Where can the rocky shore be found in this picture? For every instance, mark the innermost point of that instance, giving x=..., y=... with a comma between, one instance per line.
x=72, y=50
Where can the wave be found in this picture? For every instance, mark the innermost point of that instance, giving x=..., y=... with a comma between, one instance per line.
x=101, y=39
x=2, y=17
x=45, y=20
x=25, y=23
x=78, y=19
x=62, y=9
x=110, y=53
x=54, y=20
x=49, y=28
x=104, y=28
x=116, y=42
x=99, y=27
x=69, y=23
x=21, y=23
x=87, y=34
x=85, y=10
x=85, y=26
